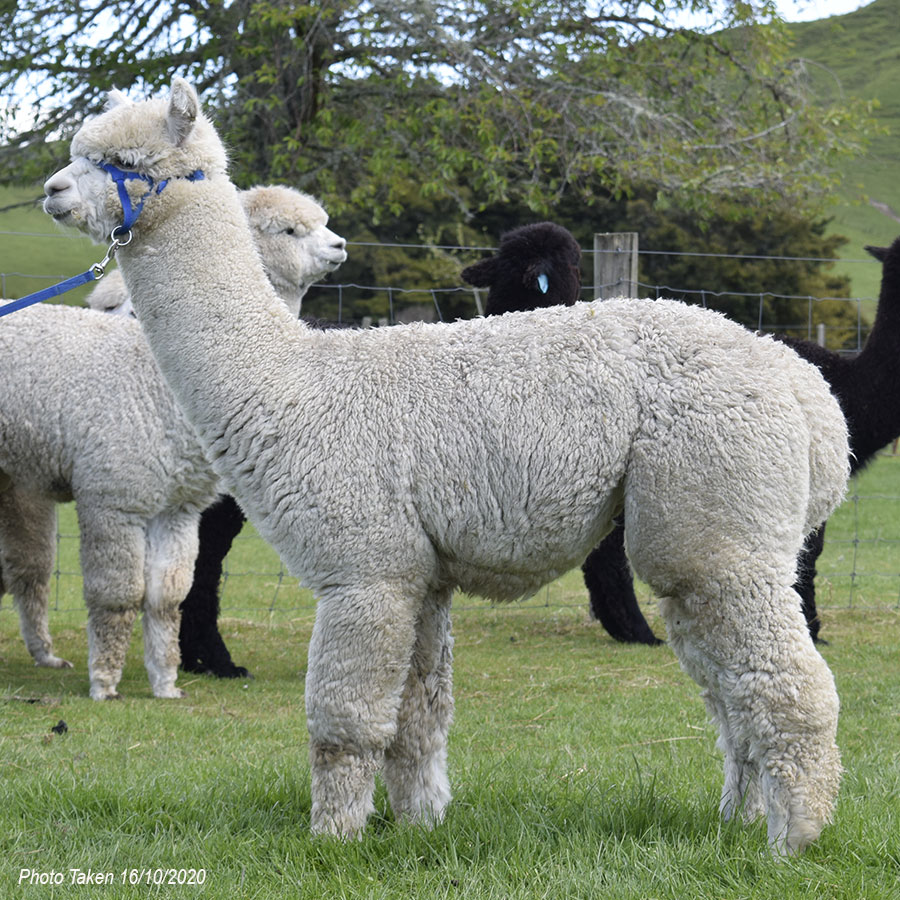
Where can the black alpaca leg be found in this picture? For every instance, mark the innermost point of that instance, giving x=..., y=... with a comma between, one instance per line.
x=610, y=584
x=805, y=585
x=202, y=647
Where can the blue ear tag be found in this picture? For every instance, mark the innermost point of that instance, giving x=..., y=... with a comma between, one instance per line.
x=543, y=283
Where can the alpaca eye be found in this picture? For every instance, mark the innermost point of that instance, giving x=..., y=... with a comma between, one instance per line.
x=288, y=230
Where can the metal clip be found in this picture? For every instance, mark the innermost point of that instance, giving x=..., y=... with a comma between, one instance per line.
x=100, y=268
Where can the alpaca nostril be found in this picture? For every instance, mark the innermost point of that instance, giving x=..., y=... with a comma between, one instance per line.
x=56, y=184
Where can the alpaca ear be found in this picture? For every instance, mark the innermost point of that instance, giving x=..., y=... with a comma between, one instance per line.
x=481, y=274
x=878, y=252
x=115, y=98
x=184, y=107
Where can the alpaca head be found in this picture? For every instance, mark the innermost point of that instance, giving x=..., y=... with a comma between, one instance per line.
x=289, y=230
x=296, y=246
x=889, y=293
x=535, y=265
x=158, y=139
x=889, y=257
x=111, y=296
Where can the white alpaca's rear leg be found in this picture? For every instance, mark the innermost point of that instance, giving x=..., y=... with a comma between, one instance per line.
x=778, y=698
x=415, y=764
x=172, y=544
x=800, y=769
x=740, y=790
x=112, y=562
x=359, y=657
x=27, y=553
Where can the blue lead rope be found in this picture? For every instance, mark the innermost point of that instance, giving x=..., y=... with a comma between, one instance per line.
x=129, y=217
x=46, y=293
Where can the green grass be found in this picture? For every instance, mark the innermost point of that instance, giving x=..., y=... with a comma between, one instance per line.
x=581, y=768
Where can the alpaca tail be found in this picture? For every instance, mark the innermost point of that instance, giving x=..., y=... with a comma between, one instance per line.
x=829, y=448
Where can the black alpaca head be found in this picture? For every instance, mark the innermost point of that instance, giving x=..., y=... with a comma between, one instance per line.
x=886, y=326
x=535, y=265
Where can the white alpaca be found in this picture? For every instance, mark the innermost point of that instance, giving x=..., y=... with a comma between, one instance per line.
x=389, y=466
x=73, y=426
x=86, y=415
x=290, y=230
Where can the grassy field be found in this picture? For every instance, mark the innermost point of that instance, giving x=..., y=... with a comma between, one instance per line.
x=581, y=767
x=848, y=58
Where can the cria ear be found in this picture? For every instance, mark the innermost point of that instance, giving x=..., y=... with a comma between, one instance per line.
x=481, y=274
x=878, y=252
x=184, y=107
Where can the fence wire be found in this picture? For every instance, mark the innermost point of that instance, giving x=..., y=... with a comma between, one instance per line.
x=860, y=565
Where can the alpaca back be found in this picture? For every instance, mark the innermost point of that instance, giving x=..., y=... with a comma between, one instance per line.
x=85, y=410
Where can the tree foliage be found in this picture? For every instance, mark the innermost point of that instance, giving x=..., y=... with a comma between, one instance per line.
x=449, y=121
x=759, y=266
x=478, y=101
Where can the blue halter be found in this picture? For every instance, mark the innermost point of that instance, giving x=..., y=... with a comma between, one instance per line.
x=130, y=214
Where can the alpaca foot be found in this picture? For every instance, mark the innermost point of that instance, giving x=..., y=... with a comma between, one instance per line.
x=229, y=671
x=53, y=662
x=793, y=837
x=218, y=671
x=419, y=791
x=343, y=785
x=105, y=694
x=169, y=693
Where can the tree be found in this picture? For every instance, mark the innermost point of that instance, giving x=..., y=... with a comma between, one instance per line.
x=749, y=262
x=517, y=100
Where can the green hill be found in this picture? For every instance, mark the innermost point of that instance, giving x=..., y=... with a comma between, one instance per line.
x=857, y=55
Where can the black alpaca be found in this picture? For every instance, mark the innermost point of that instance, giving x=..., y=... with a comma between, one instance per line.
x=540, y=265
x=866, y=386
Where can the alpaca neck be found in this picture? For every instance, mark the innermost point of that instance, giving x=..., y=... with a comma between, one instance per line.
x=209, y=313
x=291, y=295
x=869, y=395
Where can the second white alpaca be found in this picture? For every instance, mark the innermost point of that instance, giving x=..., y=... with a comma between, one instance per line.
x=86, y=415
x=290, y=230
x=390, y=466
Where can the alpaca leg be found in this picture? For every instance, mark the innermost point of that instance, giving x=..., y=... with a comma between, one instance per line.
x=774, y=701
x=112, y=562
x=359, y=657
x=27, y=553
x=415, y=763
x=806, y=580
x=740, y=791
x=608, y=578
x=201, y=644
x=169, y=565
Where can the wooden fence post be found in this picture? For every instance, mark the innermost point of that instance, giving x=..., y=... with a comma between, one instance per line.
x=616, y=265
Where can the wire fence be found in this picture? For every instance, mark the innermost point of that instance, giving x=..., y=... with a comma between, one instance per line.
x=859, y=568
